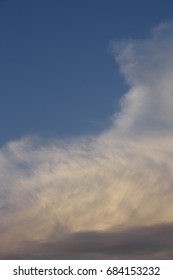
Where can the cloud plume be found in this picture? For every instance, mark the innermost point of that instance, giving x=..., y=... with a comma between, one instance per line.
x=96, y=186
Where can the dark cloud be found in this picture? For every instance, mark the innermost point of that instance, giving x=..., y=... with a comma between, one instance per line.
x=151, y=242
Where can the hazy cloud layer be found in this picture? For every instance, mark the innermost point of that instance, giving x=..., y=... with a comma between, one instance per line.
x=59, y=192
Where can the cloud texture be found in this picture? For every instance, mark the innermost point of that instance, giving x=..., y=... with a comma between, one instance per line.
x=113, y=186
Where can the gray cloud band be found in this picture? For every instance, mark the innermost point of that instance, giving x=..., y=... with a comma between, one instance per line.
x=152, y=242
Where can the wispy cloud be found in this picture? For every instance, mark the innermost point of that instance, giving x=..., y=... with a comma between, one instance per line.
x=119, y=179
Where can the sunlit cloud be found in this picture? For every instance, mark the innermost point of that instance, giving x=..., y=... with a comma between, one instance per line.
x=119, y=180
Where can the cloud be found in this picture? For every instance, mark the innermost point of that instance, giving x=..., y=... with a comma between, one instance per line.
x=152, y=242
x=147, y=67
x=58, y=192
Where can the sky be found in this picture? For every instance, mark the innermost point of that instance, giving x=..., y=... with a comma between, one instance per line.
x=86, y=126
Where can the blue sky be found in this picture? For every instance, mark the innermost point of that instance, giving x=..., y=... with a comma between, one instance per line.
x=77, y=166
x=58, y=77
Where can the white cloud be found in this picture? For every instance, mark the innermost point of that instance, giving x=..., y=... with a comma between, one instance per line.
x=120, y=178
x=147, y=66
